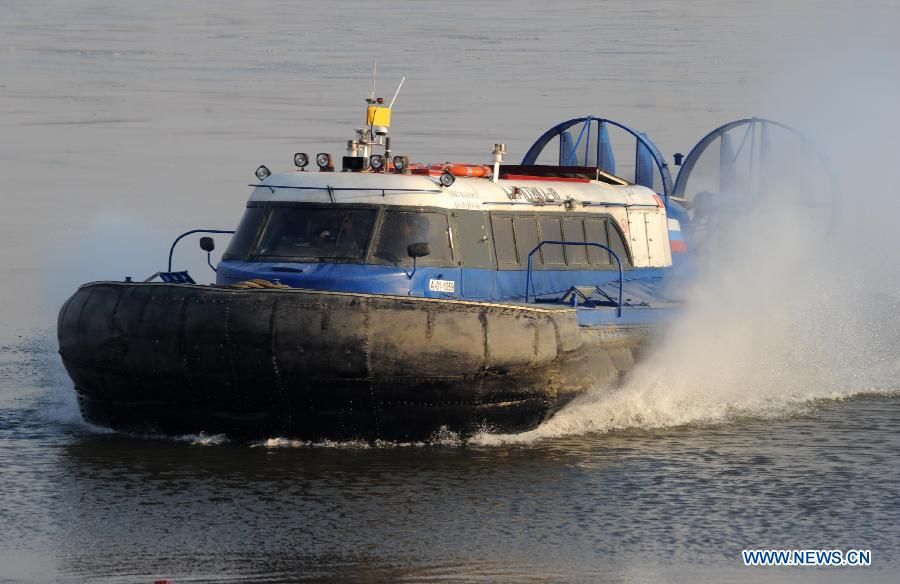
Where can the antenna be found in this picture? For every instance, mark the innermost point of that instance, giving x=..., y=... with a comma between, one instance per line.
x=374, y=76
x=396, y=92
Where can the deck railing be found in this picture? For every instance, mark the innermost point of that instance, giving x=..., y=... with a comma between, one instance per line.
x=529, y=284
x=192, y=231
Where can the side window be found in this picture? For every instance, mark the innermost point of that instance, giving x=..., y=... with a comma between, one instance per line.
x=617, y=243
x=504, y=241
x=595, y=230
x=515, y=237
x=527, y=239
x=401, y=228
x=573, y=230
x=554, y=255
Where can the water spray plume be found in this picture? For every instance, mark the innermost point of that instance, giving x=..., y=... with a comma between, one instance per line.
x=796, y=301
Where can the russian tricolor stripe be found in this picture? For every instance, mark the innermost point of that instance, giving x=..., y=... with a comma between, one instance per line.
x=676, y=239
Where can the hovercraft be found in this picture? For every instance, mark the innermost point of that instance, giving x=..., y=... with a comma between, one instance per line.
x=394, y=300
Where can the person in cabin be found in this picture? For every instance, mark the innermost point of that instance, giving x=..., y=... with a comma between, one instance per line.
x=348, y=241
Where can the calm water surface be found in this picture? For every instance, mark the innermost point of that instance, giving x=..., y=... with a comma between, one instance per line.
x=632, y=506
x=125, y=123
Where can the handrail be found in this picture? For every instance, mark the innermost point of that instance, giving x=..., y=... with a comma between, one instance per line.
x=186, y=233
x=528, y=280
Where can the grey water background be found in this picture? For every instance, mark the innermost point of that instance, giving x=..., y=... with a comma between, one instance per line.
x=125, y=123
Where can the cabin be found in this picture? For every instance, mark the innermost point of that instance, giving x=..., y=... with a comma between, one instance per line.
x=360, y=232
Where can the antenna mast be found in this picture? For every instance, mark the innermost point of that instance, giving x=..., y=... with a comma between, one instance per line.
x=396, y=92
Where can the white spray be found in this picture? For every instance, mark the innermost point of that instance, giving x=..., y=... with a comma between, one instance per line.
x=786, y=312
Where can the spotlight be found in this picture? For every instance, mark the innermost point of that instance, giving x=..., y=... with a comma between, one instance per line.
x=301, y=160
x=401, y=163
x=447, y=179
x=323, y=160
x=376, y=161
x=262, y=173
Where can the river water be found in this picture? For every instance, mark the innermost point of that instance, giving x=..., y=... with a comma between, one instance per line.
x=771, y=420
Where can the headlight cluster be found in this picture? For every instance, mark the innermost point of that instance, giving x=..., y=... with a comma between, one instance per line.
x=376, y=162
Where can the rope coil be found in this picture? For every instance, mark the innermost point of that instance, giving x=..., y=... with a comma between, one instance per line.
x=256, y=283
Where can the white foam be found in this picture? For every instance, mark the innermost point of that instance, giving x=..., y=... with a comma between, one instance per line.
x=281, y=442
x=444, y=437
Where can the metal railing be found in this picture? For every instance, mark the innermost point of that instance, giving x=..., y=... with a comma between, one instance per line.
x=529, y=283
x=192, y=231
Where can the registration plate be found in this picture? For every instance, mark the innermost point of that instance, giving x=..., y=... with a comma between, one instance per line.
x=442, y=285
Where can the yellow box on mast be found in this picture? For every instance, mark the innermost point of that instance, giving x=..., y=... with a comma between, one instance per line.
x=378, y=116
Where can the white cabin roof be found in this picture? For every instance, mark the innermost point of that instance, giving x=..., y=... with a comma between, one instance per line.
x=465, y=193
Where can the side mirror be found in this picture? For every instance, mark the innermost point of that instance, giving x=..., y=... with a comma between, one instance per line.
x=207, y=244
x=418, y=250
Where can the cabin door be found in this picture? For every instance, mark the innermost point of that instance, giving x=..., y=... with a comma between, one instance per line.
x=475, y=248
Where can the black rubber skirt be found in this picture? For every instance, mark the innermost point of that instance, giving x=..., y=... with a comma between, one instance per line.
x=317, y=365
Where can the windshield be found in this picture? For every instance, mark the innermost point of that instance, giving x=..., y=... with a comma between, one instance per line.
x=245, y=233
x=297, y=232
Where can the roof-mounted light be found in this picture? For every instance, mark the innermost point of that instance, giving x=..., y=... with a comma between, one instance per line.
x=401, y=163
x=262, y=173
x=376, y=161
x=447, y=178
x=323, y=161
x=301, y=160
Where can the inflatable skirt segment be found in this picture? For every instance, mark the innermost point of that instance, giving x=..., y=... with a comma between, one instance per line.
x=313, y=365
